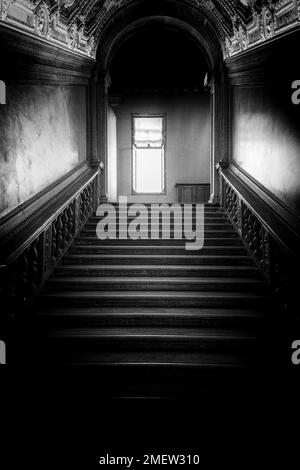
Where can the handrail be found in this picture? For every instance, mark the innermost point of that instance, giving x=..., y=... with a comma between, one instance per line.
x=285, y=234
x=33, y=254
x=52, y=211
x=273, y=247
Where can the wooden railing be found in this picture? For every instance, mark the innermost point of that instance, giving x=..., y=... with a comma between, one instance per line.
x=277, y=259
x=28, y=266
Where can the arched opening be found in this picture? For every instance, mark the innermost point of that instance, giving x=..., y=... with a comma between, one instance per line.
x=161, y=60
x=157, y=79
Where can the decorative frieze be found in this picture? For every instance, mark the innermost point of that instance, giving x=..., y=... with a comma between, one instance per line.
x=42, y=20
x=50, y=21
x=268, y=21
x=77, y=24
x=4, y=9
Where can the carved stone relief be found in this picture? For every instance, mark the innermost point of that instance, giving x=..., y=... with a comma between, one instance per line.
x=42, y=20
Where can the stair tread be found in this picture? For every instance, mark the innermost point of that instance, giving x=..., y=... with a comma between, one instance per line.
x=230, y=229
x=207, y=223
x=152, y=312
x=133, y=256
x=181, y=241
x=181, y=267
x=179, y=359
x=155, y=294
x=132, y=246
x=149, y=332
x=176, y=280
x=123, y=216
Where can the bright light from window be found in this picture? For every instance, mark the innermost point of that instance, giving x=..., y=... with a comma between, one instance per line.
x=148, y=154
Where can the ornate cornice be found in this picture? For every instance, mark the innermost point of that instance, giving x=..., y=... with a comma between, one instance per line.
x=77, y=24
x=268, y=19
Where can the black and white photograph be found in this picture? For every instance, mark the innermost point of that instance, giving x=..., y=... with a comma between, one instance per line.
x=149, y=221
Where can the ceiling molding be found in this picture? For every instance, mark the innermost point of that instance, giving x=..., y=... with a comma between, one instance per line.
x=77, y=24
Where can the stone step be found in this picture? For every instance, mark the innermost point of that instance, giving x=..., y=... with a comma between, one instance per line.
x=91, y=227
x=133, y=249
x=207, y=207
x=225, y=260
x=146, y=317
x=156, y=375
x=139, y=349
x=154, y=284
x=151, y=312
x=168, y=235
x=209, y=218
x=167, y=299
x=160, y=270
x=81, y=240
x=93, y=340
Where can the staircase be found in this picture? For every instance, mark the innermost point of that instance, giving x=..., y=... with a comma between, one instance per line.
x=153, y=319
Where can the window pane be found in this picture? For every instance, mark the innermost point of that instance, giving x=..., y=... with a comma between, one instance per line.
x=149, y=168
x=148, y=131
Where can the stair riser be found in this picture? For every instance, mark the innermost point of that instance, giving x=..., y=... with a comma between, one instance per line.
x=207, y=226
x=193, y=261
x=76, y=286
x=149, y=272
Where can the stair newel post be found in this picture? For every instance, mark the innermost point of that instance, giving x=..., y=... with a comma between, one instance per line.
x=103, y=84
x=219, y=167
x=97, y=188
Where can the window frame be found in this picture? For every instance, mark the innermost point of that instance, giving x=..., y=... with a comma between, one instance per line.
x=164, y=172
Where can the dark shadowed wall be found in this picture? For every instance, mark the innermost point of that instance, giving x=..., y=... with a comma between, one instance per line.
x=266, y=142
x=42, y=137
x=188, y=140
x=265, y=122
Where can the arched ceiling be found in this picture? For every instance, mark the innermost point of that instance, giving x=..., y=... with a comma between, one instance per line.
x=96, y=12
x=148, y=60
x=78, y=24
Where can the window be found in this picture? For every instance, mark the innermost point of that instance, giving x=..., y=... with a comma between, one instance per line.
x=148, y=149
